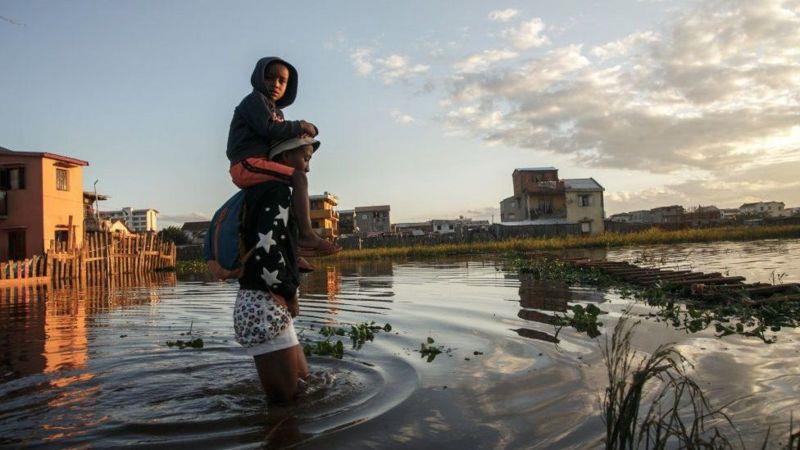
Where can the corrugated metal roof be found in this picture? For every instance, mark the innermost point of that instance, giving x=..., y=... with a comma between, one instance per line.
x=582, y=184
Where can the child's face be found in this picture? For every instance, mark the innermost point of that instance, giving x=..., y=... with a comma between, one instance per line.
x=276, y=77
x=299, y=158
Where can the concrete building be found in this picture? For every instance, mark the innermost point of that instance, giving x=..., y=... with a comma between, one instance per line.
x=541, y=197
x=641, y=216
x=347, y=222
x=41, y=200
x=324, y=218
x=584, y=199
x=763, y=209
x=703, y=216
x=667, y=214
x=621, y=218
x=372, y=220
x=138, y=220
x=413, y=228
x=729, y=214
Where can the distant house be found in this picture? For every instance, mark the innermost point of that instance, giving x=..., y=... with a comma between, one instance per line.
x=703, y=216
x=763, y=209
x=729, y=214
x=115, y=226
x=347, y=221
x=413, y=228
x=541, y=197
x=196, y=231
x=41, y=200
x=584, y=198
x=324, y=219
x=621, y=218
x=138, y=220
x=667, y=214
x=641, y=216
x=372, y=220
x=91, y=217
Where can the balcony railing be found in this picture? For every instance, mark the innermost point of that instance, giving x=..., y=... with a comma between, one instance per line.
x=543, y=187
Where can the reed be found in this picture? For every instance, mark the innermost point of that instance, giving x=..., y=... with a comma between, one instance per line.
x=679, y=415
x=605, y=240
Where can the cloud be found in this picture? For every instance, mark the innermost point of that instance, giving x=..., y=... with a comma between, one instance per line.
x=482, y=60
x=401, y=118
x=185, y=217
x=503, y=15
x=623, y=46
x=360, y=57
x=714, y=94
x=527, y=34
x=395, y=68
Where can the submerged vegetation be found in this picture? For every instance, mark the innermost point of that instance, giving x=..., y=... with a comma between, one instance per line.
x=604, y=240
x=358, y=334
x=671, y=303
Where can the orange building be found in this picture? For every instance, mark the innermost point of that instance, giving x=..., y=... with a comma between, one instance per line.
x=41, y=197
x=324, y=219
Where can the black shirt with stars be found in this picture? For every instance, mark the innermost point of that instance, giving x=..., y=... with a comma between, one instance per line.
x=269, y=225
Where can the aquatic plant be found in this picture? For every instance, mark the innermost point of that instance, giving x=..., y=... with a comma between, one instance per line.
x=584, y=320
x=679, y=415
x=358, y=333
x=429, y=351
x=181, y=344
x=603, y=240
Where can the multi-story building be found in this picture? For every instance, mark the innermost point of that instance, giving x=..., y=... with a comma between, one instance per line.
x=703, y=216
x=41, y=200
x=641, y=216
x=347, y=221
x=540, y=196
x=324, y=219
x=372, y=220
x=138, y=220
x=585, y=204
x=621, y=218
x=763, y=209
x=667, y=214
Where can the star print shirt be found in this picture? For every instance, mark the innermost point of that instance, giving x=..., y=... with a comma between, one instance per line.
x=269, y=226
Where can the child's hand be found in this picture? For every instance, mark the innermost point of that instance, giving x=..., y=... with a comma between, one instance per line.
x=308, y=128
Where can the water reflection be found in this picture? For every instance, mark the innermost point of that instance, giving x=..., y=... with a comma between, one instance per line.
x=45, y=330
x=536, y=296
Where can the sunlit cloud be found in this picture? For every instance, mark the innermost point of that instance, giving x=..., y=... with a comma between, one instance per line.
x=527, y=34
x=503, y=15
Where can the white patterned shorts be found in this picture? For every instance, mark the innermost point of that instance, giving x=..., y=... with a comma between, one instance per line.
x=261, y=324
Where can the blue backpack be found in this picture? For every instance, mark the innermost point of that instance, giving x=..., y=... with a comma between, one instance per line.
x=223, y=250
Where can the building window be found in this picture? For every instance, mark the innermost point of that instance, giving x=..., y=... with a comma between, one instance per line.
x=585, y=200
x=62, y=179
x=12, y=178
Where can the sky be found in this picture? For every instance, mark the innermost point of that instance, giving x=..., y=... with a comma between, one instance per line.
x=425, y=106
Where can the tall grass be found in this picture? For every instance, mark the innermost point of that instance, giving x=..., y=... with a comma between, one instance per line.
x=679, y=416
x=604, y=240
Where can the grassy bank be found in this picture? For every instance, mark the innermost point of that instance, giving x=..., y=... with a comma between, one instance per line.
x=605, y=240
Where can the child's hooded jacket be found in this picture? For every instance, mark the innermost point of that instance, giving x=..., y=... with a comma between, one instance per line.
x=257, y=120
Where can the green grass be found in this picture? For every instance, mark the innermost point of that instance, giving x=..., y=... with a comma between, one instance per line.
x=605, y=240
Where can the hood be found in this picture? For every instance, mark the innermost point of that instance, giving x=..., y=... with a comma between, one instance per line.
x=257, y=80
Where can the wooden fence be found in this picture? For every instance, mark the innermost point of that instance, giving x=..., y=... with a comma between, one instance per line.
x=102, y=258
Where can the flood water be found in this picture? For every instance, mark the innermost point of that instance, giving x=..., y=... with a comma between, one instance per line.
x=92, y=368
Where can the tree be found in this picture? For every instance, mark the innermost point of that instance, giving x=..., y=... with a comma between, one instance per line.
x=174, y=234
